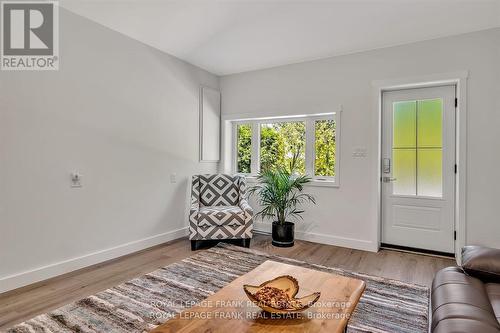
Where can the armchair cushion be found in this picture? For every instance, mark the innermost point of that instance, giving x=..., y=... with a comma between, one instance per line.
x=220, y=215
x=482, y=262
x=219, y=208
x=219, y=190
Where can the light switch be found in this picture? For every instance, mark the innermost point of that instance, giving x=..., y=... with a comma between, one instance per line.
x=359, y=152
x=173, y=177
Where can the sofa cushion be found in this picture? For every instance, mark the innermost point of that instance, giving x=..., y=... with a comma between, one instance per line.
x=482, y=262
x=220, y=215
x=460, y=325
x=458, y=299
x=463, y=311
x=493, y=291
x=219, y=190
x=455, y=275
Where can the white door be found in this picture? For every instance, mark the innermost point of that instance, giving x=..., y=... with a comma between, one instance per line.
x=418, y=168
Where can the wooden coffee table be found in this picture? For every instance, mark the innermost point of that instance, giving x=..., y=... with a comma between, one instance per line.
x=230, y=311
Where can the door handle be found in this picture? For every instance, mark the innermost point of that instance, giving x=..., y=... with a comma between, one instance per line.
x=388, y=179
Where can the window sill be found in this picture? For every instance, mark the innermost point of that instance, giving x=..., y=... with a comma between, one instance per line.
x=323, y=183
x=314, y=182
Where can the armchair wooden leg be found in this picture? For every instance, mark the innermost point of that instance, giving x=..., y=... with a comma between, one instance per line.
x=245, y=242
x=194, y=245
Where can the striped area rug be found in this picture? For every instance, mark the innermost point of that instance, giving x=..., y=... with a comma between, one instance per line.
x=145, y=302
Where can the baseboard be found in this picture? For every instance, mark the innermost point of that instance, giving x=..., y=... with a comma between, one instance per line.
x=42, y=273
x=353, y=243
x=418, y=251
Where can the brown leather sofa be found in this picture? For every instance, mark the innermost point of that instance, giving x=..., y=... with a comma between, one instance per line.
x=467, y=299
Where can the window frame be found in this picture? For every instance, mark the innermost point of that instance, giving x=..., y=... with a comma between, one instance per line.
x=310, y=148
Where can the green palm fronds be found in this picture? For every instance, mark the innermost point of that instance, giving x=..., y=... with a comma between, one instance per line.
x=279, y=194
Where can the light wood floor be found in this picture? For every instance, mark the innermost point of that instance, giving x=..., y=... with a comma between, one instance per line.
x=27, y=302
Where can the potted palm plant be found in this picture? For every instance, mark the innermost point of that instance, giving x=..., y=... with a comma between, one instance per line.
x=279, y=193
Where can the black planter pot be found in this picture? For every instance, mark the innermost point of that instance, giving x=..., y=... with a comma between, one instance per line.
x=283, y=234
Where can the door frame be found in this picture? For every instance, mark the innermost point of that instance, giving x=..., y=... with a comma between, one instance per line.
x=459, y=80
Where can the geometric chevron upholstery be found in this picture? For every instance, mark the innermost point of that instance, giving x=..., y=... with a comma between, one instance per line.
x=219, y=190
x=220, y=215
x=219, y=208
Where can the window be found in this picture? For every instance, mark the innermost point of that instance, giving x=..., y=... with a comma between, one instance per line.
x=304, y=145
x=282, y=145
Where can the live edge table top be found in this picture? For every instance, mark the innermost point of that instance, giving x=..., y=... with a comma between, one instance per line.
x=230, y=311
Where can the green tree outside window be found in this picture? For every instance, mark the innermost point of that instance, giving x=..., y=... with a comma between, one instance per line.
x=244, y=149
x=282, y=145
x=324, y=162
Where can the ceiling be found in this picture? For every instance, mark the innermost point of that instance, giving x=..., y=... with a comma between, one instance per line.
x=227, y=37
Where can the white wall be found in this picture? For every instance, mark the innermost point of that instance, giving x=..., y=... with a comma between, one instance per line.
x=348, y=215
x=124, y=115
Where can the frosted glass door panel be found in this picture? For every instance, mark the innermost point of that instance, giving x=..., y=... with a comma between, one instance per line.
x=430, y=172
x=404, y=132
x=430, y=123
x=417, y=146
x=405, y=171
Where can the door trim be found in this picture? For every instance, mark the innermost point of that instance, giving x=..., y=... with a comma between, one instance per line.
x=459, y=80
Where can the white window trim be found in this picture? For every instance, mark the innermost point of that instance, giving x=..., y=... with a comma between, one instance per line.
x=310, y=150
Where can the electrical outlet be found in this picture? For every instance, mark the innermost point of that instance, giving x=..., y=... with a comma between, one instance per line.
x=76, y=179
x=173, y=178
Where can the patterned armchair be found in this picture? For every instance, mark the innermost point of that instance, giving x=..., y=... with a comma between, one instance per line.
x=219, y=210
